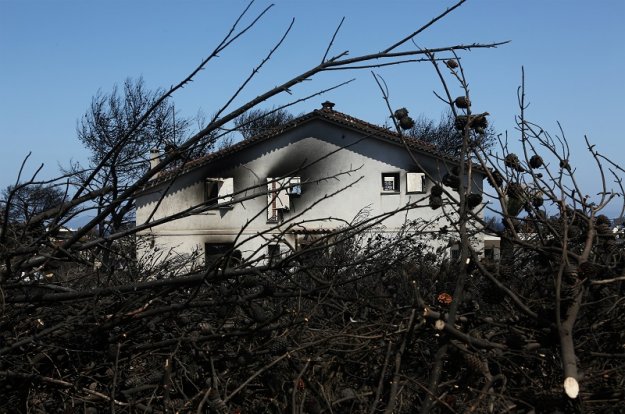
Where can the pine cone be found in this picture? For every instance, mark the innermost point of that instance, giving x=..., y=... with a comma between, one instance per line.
x=512, y=161
x=536, y=161
x=436, y=190
x=537, y=201
x=406, y=122
x=603, y=229
x=515, y=190
x=451, y=63
x=436, y=202
x=479, y=121
x=258, y=313
x=133, y=381
x=574, y=231
x=610, y=244
x=564, y=164
x=461, y=122
x=400, y=113
x=603, y=219
x=476, y=364
x=154, y=377
x=474, y=200
x=451, y=180
x=279, y=346
x=497, y=180
x=462, y=102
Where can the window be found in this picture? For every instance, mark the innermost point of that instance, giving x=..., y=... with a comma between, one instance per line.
x=295, y=187
x=219, y=191
x=273, y=253
x=489, y=254
x=279, y=194
x=390, y=182
x=214, y=253
x=415, y=182
x=211, y=191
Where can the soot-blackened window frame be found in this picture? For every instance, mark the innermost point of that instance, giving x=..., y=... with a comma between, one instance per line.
x=218, y=192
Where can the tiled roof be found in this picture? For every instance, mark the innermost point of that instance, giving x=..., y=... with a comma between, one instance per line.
x=305, y=230
x=327, y=114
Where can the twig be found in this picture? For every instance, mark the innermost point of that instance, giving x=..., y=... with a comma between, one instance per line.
x=332, y=40
x=254, y=375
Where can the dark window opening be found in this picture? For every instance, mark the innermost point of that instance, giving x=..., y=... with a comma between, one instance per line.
x=218, y=191
x=273, y=253
x=455, y=253
x=211, y=192
x=390, y=182
x=215, y=254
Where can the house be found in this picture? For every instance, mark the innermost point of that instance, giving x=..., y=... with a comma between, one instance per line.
x=286, y=188
x=492, y=248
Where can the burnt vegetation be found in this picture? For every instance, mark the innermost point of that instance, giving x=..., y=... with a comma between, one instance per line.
x=356, y=322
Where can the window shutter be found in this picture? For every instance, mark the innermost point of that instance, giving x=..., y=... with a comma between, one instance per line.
x=279, y=193
x=210, y=190
x=271, y=204
x=415, y=182
x=226, y=188
x=277, y=197
x=282, y=196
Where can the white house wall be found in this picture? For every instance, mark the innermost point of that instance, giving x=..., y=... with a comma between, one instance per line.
x=328, y=159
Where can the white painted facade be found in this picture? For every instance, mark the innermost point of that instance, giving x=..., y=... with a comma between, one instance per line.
x=316, y=175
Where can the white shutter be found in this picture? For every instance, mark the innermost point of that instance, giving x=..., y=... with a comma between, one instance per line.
x=226, y=188
x=282, y=196
x=271, y=210
x=414, y=182
x=278, y=192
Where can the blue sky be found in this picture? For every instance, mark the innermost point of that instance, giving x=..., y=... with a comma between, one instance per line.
x=55, y=55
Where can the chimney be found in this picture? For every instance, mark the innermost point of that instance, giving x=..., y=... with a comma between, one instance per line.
x=327, y=106
x=155, y=159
